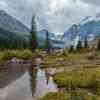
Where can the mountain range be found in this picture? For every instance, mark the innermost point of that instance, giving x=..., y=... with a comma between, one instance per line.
x=8, y=22
x=55, y=42
x=12, y=29
x=88, y=28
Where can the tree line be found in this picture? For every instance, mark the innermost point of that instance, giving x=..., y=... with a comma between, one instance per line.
x=14, y=43
x=84, y=45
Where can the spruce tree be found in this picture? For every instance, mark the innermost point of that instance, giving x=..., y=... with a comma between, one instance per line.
x=86, y=44
x=79, y=46
x=33, y=38
x=47, y=44
x=98, y=45
x=33, y=46
x=71, y=49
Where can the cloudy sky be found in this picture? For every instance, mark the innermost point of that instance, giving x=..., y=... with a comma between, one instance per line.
x=54, y=15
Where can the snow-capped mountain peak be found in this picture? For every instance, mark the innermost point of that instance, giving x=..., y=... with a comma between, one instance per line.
x=90, y=18
x=86, y=19
x=88, y=28
x=97, y=17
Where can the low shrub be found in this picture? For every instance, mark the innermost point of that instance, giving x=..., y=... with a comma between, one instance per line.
x=25, y=55
x=20, y=54
x=7, y=55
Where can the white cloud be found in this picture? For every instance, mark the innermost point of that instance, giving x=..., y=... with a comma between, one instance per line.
x=54, y=15
x=93, y=2
x=3, y=4
x=58, y=15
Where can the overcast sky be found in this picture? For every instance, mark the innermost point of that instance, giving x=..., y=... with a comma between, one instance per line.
x=54, y=15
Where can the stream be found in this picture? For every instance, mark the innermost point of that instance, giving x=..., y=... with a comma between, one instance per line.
x=42, y=86
x=20, y=88
x=17, y=90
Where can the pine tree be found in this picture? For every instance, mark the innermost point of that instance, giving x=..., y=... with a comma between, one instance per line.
x=24, y=44
x=71, y=49
x=47, y=43
x=33, y=38
x=86, y=44
x=33, y=46
x=79, y=46
x=98, y=45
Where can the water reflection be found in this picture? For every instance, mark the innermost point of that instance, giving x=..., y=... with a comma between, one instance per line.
x=52, y=87
x=18, y=90
x=42, y=87
x=41, y=83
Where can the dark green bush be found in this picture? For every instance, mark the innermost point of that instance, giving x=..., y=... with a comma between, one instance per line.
x=7, y=55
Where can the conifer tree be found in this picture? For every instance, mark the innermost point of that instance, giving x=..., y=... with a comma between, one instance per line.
x=79, y=46
x=98, y=45
x=33, y=46
x=47, y=44
x=86, y=44
x=33, y=38
x=71, y=49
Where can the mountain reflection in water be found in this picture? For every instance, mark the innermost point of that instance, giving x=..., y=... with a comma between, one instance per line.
x=42, y=87
x=18, y=90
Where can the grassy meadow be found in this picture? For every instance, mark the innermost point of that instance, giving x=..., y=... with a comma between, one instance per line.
x=80, y=79
x=6, y=55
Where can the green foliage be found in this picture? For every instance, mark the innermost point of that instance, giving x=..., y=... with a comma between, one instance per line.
x=33, y=37
x=71, y=49
x=20, y=54
x=82, y=95
x=13, y=41
x=78, y=79
x=8, y=55
x=98, y=45
x=47, y=43
x=74, y=95
x=56, y=96
x=86, y=44
x=64, y=53
x=25, y=55
x=79, y=46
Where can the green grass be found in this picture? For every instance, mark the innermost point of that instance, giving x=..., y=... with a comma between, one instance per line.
x=56, y=96
x=85, y=75
x=20, y=54
x=71, y=59
x=75, y=95
x=61, y=59
x=84, y=78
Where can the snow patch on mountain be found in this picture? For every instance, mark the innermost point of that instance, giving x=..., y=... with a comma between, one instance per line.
x=85, y=20
x=90, y=18
x=88, y=28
